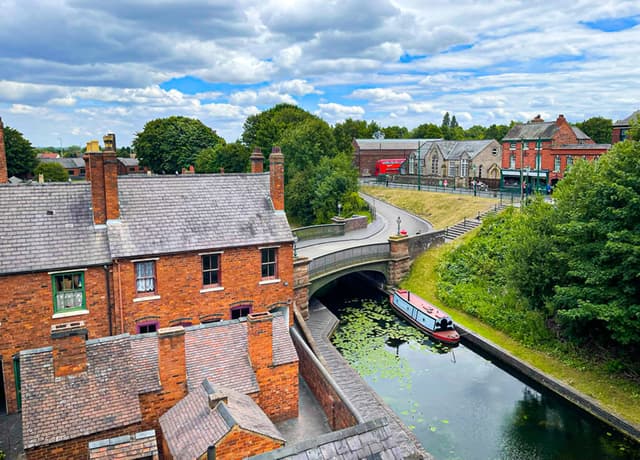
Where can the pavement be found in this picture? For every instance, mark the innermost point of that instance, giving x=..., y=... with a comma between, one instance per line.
x=379, y=231
x=11, y=436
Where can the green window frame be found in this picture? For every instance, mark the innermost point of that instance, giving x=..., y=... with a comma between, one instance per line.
x=68, y=292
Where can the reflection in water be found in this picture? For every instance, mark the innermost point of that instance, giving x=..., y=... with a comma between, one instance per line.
x=461, y=406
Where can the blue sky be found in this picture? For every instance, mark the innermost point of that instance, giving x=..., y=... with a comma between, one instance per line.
x=72, y=70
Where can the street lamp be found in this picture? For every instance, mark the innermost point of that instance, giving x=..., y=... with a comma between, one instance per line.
x=475, y=182
x=339, y=209
x=398, y=221
x=420, y=145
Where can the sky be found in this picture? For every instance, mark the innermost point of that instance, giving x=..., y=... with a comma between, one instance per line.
x=73, y=70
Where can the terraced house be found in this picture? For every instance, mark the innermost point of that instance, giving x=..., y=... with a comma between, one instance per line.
x=93, y=264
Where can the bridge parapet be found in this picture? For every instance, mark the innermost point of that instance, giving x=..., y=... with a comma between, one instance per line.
x=344, y=258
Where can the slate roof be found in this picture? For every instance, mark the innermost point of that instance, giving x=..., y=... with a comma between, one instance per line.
x=144, y=352
x=219, y=351
x=371, y=440
x=627, y=121
x=167, y=214
x=46, y=227
x=67, y=163
x=191, y=426
x=580, y=135
x=394, y=144
x=542, y=130
x=128, y=161
x=455, y=150
x=56, y=409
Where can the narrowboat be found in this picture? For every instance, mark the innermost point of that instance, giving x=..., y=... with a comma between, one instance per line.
x=425, y=316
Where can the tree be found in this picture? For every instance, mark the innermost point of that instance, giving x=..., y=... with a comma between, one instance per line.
x=634, y=130
x=497, y=132
x=476, y=132
x=21, y=156
x=427, y=131
x=124, y=152
x=166, y=145
x=597, y=128
x=304, y=144
x=395, y=132
x=52, y=172
x=351, y=129
x=230, y=157
x=598, y=215
x=454, y=122
x=73, y=151
x=265, y=129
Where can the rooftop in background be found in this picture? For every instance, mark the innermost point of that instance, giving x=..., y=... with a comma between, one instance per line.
x=393, y=144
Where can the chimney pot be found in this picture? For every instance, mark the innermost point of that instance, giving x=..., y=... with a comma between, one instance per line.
x=257, y=161
x=276, y=174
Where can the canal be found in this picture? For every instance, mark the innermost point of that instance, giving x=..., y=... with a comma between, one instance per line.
x=459, y=404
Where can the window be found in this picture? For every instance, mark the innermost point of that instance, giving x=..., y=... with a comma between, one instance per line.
x=494, y=151
x=145, y=276
x=538, y=161
x=211, y=270
x=512, y=161
x=556, y=163
x=240, y=311
x=434, y=165
x=623, y=133
x=464, y=169
x=480, y=171
x=68, y=291
x=269, y=262
x=453, y=169
x=512, y=146
x=569, y=161
x=146, y=327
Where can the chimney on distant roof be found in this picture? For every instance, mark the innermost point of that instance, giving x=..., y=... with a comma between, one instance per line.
x=276, y=173
x=537, y=119
x=561, y=120
x=257, y=161
x=4, y=172
x=69, y=348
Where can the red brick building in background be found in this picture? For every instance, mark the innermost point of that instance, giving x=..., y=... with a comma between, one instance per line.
x=540, y=152
x=137, y=254
x=620, y=128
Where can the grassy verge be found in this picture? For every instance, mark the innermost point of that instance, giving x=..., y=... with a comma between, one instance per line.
x=440, y=209
x=618, y=396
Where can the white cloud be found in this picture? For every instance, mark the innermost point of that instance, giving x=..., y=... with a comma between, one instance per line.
x=334, y=113
x=381, y=95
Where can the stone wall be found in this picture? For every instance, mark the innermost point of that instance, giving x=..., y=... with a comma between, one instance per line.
x=420, y=243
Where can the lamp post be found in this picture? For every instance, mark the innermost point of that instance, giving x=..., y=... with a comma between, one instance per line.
x=420, y=145
x=475, y=182
x=339, y=209
x=398, y=221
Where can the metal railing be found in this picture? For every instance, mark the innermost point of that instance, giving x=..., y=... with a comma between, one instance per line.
x=348, y=257
x=318, y=231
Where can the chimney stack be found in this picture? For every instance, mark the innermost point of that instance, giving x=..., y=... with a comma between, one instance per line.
x=537, y=119
x=69, y=348
x=260, y=340
x=561, y=120
x=102, y=171
x=276, y=173
x=257, y=161
x=172, y=365
x=4, y=172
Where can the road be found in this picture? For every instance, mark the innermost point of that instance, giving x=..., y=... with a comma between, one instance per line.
x=385, y=225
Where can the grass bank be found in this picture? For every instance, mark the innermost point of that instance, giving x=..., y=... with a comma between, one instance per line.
x=568, y=365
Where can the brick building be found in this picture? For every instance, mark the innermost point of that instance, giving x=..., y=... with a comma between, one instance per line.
x=83, y=396
x=620, y=128
x=540, y=152
x=368, y=151
x=133, y=254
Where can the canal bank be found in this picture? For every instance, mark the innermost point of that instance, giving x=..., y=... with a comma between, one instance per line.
x=570, y=394
x=369, y=405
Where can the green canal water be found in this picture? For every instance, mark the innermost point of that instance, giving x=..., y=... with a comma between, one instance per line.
x=458, y=403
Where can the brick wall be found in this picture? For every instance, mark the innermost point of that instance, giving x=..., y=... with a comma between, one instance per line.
x=278, y=396
x=179, y=282
x=276, y=173
x=77, y=448
x=26, y=316
x=239, y=444
x=338, y=415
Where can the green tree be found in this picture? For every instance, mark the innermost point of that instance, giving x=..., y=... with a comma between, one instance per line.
x=634, y=131
x=351, y=129
x=72, y=151
x=598, y=209
x=395, y=132
x=454, y=123
x=427, y=131
x=304, y=144
x=265, y=129
x=21, y=156
x=166, y=145
x=597, y=128
x=476, y=132
x=229, y=157
x=124, y=152
x=497, y=132
x=52, y=172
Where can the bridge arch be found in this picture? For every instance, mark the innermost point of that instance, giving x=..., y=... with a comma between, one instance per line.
x=378, y=271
